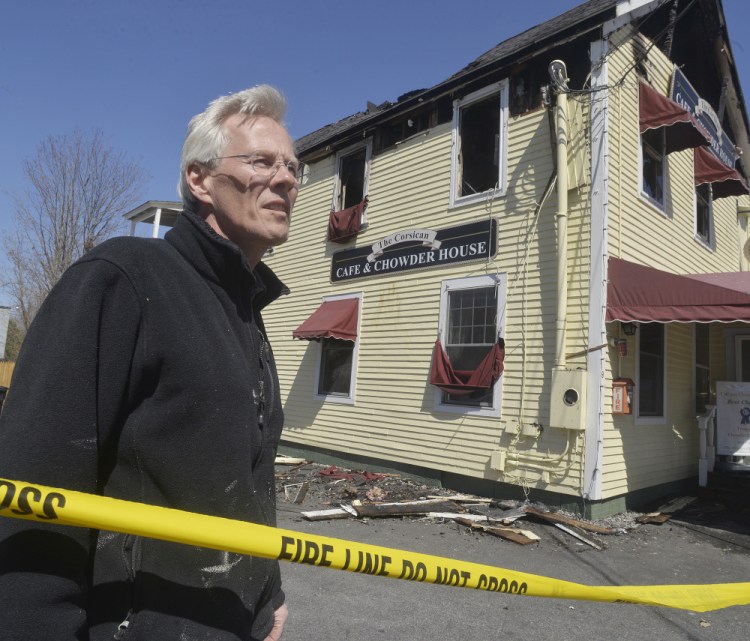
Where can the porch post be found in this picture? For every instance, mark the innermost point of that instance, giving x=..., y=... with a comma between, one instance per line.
x=706, y=449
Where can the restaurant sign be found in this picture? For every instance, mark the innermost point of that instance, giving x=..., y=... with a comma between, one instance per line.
x=417, y=249
x=687, y=97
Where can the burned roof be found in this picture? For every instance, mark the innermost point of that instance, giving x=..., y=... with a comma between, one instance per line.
x=578, y=20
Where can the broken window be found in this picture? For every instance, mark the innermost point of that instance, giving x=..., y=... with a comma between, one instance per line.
x=471, y=324
x=703, y=213
x=352, y=168
x=419, y=120
x=653, y=165
x=479, y=143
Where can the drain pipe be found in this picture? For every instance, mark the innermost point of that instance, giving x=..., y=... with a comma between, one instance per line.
x=559, y=75
x=567, y=402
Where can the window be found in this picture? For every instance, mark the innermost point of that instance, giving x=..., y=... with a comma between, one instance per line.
x=651, y=370
x=703, y=214
x=479, y=144
x=352, y=170
x=702, y=367
x=653, y=165
x=337, y=363
x=471, y=322
x=335, y=367
x=742, y=358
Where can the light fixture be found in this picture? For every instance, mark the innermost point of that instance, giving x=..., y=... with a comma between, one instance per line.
x=629, y=329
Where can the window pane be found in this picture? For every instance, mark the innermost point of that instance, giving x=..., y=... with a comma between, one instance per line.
x=745, y=361
x=651, y=370
x=651, y=338
x=475, y=329
x=652, y=143
x=336, y=367
x=702, y=345
x=703, y=213
x=650, y=398
x=702, y=389
x=479, y=130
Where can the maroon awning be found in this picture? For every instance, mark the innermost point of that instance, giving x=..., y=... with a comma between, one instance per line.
x=682, y=129
x=725, y=181
x=637, y=293
x=333, y=319
x=463, y=383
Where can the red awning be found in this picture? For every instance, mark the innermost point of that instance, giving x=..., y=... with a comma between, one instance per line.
x=682, y=129
x=333, y=319
x=463, y=383
x=725, y=181
x=637, y=293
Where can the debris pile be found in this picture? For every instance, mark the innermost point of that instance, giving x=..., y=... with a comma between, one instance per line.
x=329, y=492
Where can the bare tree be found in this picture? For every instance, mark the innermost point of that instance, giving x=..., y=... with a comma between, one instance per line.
x=78, y=190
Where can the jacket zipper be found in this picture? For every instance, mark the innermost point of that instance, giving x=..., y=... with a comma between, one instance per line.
x=123, y=627
x=261, y=381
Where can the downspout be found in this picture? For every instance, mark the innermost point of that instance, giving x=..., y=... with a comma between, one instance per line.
x=559, y=76
x=568, y=388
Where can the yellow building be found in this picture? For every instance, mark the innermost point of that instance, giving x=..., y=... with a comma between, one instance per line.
x=463, y=310
x=431, y=229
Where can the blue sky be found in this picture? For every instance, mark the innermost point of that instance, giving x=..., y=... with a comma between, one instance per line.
x=139, y=69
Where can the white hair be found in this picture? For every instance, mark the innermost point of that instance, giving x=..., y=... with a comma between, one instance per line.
x=206, y=139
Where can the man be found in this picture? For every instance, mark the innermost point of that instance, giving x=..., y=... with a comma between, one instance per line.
x=147, y=376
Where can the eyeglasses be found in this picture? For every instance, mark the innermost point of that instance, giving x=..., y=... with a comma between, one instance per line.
x=265, y=166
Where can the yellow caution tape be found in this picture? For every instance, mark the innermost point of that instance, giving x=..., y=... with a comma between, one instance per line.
x=52, y=505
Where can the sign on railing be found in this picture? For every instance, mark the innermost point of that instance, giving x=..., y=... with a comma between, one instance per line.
x=732, y=418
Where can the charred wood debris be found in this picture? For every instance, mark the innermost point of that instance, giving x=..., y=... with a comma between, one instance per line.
x=323, y=492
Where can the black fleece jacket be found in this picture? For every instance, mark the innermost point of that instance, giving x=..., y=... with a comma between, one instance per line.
x=146, y=376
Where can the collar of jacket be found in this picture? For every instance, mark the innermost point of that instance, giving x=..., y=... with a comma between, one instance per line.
x=222, y=261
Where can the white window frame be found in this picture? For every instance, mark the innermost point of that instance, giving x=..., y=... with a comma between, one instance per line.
x=661, y=207
x=340, y=155
x=501, y=89
x=473, y=282
x=335, y=398
x=651, y=420
x=706, y=242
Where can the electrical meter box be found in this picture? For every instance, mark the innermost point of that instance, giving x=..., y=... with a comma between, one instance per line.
x=568, y=402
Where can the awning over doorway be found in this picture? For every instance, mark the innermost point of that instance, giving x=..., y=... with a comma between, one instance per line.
x=333, y=319
x=725, y=181
x=637, y=293
x=682, y=129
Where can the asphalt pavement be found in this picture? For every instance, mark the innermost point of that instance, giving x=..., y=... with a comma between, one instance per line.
x=698, y=546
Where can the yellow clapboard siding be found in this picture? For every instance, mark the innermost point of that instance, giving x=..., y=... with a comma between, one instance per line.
x=393, y=417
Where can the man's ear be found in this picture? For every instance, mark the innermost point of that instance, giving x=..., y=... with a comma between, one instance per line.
x=197, y=179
